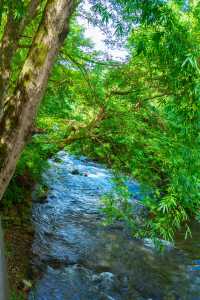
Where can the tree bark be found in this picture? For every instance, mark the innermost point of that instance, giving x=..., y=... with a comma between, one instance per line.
x=9, y=44
x=21, y=108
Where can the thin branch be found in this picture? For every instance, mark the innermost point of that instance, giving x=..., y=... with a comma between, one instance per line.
x=26, y=36
x=24, y=46
x=60, y=82
x=158, y=96
x=121, y=92
x=101, y=62
x=85, y=75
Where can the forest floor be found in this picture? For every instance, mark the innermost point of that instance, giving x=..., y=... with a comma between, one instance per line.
x=18, y=233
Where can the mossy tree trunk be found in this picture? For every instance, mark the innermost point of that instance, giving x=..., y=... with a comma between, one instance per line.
x=9, y=43
x=20, y=108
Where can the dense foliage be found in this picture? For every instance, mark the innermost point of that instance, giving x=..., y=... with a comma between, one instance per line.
x=140, y=116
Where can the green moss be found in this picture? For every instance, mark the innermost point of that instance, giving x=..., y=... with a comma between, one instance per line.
x=39, y=54
x=26, y=79
x=17, y=296
x=11, y=117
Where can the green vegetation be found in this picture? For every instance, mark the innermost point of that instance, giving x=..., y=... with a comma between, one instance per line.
x=17, y=297
x=140, y=116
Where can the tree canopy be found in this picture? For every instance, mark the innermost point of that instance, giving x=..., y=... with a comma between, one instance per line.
x=141, y=115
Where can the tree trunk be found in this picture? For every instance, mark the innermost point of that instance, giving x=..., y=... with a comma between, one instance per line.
x=21, y=108
x=9, y=44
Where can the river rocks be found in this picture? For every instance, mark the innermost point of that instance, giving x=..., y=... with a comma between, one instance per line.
x=40, y=194
x=165, y=245
x=78, y=283
x=74, y=283
x=58, y=160
x=75, y=172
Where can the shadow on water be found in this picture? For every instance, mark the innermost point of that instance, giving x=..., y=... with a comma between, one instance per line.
x=81, y=260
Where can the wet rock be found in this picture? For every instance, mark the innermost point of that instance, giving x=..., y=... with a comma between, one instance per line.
x=40, y=194
x=72, y=283
x=58, y=160
x=164, y=245
x=75, y=172
x=139, y=209
x=107, y=281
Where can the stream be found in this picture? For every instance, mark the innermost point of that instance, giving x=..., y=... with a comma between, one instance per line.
x=80, y=259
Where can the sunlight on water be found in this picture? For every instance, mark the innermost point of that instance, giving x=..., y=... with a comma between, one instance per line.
x=79, y=258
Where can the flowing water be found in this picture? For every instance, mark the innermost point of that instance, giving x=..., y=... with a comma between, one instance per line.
x=80, y=259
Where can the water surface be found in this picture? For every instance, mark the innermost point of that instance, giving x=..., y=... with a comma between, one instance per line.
x=80, y=259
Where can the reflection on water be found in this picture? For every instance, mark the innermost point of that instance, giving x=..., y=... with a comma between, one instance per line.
x=82, y=260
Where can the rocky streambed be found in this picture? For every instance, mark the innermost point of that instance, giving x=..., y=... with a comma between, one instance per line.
x=80, y=259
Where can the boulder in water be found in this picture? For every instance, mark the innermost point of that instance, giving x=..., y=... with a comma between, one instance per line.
x=75, y=172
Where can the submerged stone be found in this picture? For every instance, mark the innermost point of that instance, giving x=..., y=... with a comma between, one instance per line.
x=75, y=172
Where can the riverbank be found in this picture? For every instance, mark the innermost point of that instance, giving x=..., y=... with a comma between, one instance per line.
x=17, y=205
x=18, y=233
